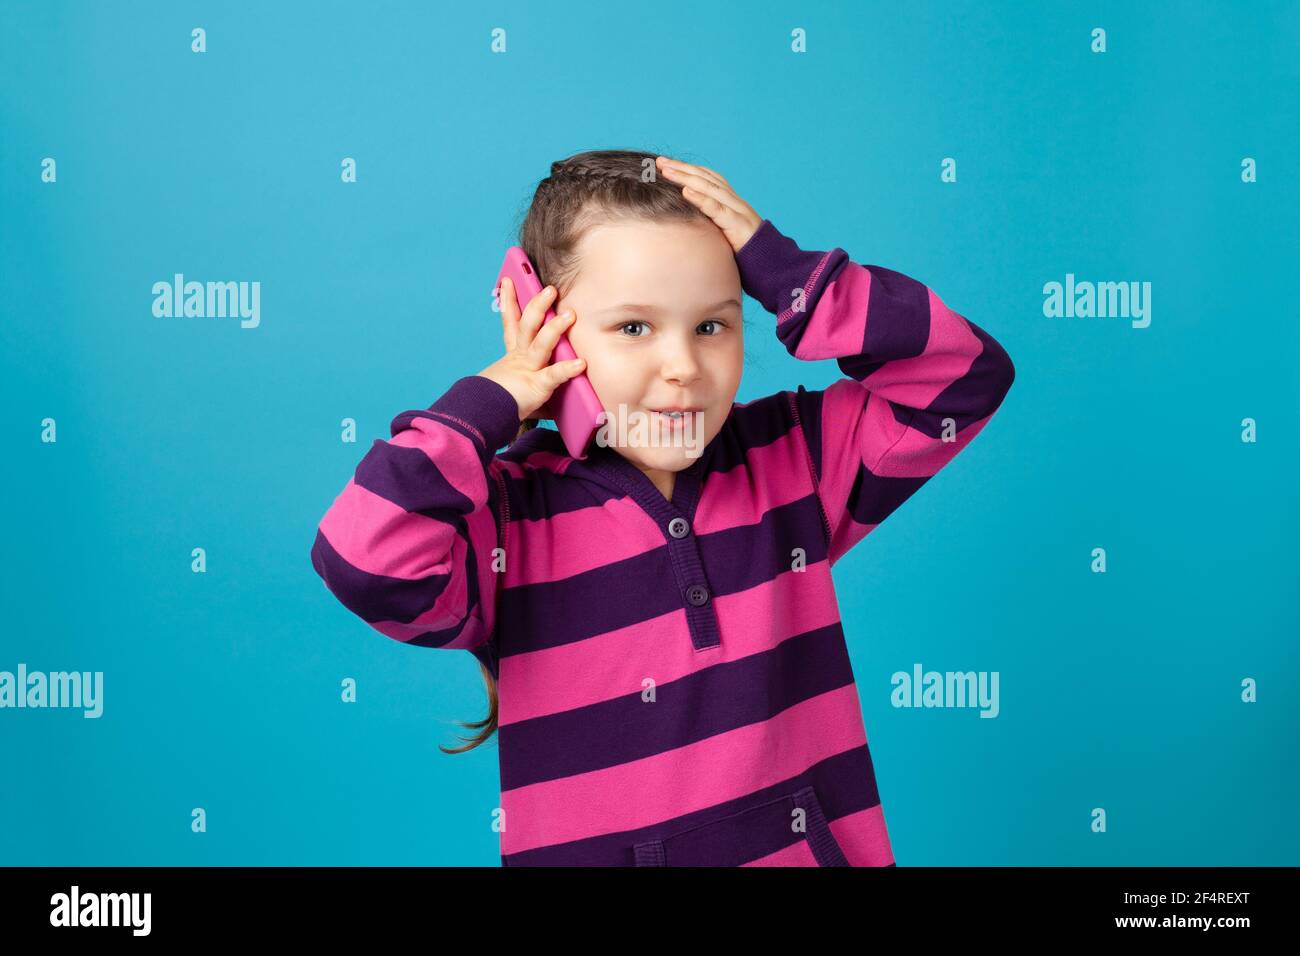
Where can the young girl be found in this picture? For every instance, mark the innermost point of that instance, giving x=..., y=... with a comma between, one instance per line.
x=658, y=623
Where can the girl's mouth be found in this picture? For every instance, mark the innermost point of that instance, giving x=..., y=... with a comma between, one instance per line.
x=674, y=419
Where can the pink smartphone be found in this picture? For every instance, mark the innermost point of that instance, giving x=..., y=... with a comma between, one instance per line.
x=573, y=405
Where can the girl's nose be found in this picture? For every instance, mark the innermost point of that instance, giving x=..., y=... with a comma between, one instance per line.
x=681, y=368
x=681, y=364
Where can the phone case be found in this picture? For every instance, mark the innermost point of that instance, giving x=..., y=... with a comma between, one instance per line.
x=573, y=405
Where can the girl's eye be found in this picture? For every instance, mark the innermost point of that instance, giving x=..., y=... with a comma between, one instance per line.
x=714, y=322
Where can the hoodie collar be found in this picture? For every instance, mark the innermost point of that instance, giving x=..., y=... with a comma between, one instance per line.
x=609, y=464
x=606, y=466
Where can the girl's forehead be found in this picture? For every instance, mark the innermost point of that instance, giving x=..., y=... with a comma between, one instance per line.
x=653, y=262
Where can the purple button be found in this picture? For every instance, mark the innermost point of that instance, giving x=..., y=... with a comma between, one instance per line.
x=697, y=594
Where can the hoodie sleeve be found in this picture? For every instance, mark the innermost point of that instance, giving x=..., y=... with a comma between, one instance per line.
x=407, y=545
x=922, y=381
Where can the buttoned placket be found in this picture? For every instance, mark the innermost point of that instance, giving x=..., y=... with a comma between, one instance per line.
x=674, y=519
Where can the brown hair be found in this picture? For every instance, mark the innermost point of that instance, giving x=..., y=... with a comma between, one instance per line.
x=583, y=191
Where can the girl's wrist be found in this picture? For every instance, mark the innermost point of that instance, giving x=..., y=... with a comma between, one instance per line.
x=484, y=405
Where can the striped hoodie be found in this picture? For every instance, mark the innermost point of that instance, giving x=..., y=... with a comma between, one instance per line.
x=674, y=684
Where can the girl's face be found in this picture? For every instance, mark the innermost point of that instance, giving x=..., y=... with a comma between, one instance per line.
x=660, y=323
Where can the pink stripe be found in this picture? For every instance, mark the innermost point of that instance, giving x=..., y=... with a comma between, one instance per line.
x=775, y=474
x=572, y=542
x=482, y=529
x=857, y=427
x=863, y=837
x=949, y=352
x=584, y=672
x=694, y=777
x=449, y=608
x=471, y=635
x=378, y=537
x=454, y=455
x=917, y=455
x=599, y=668
x=545, y=461
x=838, y=322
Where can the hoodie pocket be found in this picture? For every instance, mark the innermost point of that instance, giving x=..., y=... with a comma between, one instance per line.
x=747, y=835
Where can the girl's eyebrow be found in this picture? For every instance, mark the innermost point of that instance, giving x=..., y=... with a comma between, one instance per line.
x=654, y=309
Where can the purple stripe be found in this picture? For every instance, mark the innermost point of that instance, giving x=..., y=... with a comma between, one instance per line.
x=546, y=493
x=440, y=638
x=747, y=556
x=759, y=424
x=708, y=702
x=792, y=325
x=897, y=323
x=489, y=410
x=409, y=479
x=405, y=419
x=579, y=606
x=543, y=494
x=747, y=836
x=771, y=264
x=874, y=498
x=845, y=783
x=972, y=397
x=374, y=597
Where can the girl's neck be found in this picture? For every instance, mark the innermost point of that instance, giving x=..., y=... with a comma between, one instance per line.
x=664, y=481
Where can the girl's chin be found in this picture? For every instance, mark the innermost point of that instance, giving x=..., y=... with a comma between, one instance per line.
x=663, y=459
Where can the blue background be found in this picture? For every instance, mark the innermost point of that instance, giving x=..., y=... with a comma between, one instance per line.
x=1118, y=690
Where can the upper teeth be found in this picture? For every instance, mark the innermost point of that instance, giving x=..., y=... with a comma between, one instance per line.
x=673, y=414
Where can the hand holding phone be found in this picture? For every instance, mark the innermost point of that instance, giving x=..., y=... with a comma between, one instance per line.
x=572, y=402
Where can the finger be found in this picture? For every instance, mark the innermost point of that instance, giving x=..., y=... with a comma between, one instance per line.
x=509, y=314
x=533, y=315
x=709, y=203
x=703, y=172
x=668, y=164
x=716, y=175
x=544, y=342
x=561, y=372
x=705, y=185
x=696, y=188
x=507, y=332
